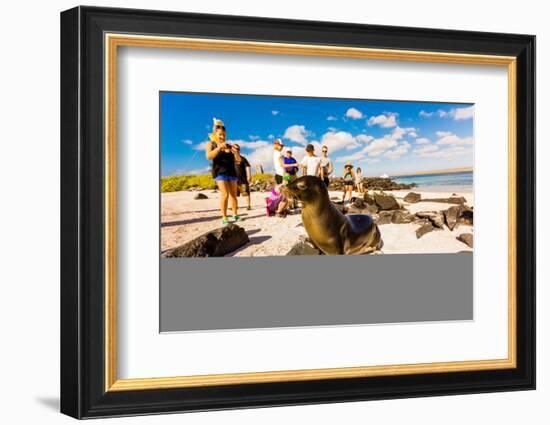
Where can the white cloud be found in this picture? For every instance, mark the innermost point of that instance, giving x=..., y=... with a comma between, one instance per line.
x=262, y=156
x=331, y=118
x=271, y=136
x=353, y=113
x=253, y=137
x=425, y=114
x=200, y=147
x=448, y=138
x=383, y=120
x=464, y=113
x=450, y=152
x=399, y=151
x=376, y=147
x=187, y=141
x=297, y=133
x=426, y=149
x=457, y=113
x=242, y=143
x=379, y=146
x=338, y=140
x=250, y=145
x=353, y=157
x=364, y=138
x=422, y=141
x=275, y=113
x=398, y=133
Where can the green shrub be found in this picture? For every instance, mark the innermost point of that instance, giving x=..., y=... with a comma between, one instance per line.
x=263, y=177
x=177, y=183
x=206, y=181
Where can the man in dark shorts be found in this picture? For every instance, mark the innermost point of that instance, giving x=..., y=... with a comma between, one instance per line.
x=242, y=167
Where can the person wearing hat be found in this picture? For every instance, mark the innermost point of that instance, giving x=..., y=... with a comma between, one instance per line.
x=311, y=164
x=278, y=163
x=223, y=157
x=349, y=178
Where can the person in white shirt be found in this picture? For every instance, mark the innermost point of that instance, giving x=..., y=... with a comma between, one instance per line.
x=278, y=164
x=326, y=163
x=311, y=164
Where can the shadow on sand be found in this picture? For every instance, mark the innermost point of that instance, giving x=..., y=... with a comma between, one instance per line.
x=254, y=240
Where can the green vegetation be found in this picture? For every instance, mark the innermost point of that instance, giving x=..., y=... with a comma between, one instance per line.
x=177, y=183
x=265, y=177
x=205, y=181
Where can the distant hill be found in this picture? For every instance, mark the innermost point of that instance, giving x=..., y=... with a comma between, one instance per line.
x=444, y=171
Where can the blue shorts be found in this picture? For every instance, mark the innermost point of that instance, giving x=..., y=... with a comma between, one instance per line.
x=224, y=178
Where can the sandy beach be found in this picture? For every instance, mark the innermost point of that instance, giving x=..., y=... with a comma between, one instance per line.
x=183, y=218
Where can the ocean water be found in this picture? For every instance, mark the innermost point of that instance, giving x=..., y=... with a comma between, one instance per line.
x=458, y=182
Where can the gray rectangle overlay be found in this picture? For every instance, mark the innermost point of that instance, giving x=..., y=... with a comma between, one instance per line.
x=243, y=293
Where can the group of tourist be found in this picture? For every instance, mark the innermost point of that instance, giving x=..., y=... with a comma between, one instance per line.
x=232, y=174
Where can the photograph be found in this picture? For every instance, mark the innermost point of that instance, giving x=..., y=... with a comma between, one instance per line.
x=246, y=175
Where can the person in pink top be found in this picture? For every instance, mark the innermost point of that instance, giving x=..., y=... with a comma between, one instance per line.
x=277, y=202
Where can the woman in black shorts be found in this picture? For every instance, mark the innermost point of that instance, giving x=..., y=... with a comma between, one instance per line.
x=222, y=156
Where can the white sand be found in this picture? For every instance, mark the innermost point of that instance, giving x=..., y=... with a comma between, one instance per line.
x=184, y=218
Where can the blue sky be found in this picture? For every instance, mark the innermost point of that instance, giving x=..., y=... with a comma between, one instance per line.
x=389, y=137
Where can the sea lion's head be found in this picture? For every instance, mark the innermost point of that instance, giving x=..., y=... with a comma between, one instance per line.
x=308, y=189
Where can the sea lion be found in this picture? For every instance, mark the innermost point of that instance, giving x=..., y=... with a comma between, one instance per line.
x=331, y=231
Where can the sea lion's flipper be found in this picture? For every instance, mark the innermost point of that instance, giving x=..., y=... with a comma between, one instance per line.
x=347, y=244
x=349, y=238
x=360, y=235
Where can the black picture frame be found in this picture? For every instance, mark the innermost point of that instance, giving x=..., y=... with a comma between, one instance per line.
x=83, y=392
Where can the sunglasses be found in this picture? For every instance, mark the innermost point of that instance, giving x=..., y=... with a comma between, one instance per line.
x=220, y=126
x=325, y=151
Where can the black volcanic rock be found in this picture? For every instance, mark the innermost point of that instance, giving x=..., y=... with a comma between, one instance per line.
x=412, y=198
x=422, y=230
x=437, y=218
x=402, y=217
x=372, y=183
x=386, y=202
x=459, y=214
x=466, y=238
x=304, y=248
x=215, y=243
x=384, y=217
x=459, y=200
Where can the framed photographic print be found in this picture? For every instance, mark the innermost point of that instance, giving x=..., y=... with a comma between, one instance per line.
x=262, y=212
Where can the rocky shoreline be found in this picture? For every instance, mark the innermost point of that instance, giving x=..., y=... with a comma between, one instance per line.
x=336, y=183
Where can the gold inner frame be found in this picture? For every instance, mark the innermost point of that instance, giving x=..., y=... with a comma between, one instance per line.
x=113, y=41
